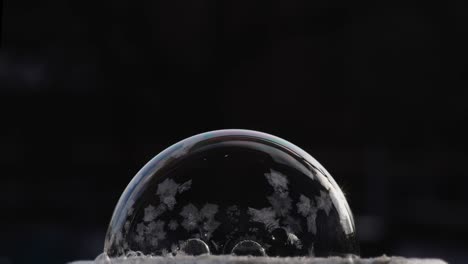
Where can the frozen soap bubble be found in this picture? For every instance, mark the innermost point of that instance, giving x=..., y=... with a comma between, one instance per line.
x=236, y=192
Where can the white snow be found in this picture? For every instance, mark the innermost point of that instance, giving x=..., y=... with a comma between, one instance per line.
x=208, y=259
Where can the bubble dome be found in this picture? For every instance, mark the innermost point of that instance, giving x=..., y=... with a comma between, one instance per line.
x=238, y=192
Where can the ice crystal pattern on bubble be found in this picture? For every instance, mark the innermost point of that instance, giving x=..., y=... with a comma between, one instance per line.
x=280, y=203
x=193, y=218
x=309, y=208
x=152, y=231
x=266, y=216
x=168, y=189
x=202, y=221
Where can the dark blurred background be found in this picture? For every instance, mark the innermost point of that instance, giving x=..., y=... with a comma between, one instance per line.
x=90, y=91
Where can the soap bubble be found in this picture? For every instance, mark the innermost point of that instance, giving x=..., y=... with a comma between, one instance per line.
x=236, y=192
x=248, y=248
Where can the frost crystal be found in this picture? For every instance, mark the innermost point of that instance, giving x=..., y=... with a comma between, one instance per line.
x=278, y=181
x=279, y=200
x=204, y=218
x=307, y=208
x=185, y=186
x=304, y=205
x=281, y=203
x=167, y=191
x=156, y=229
x=152, y=212
x=130, y=207
x=209, y=210
x=167, y=188
x=324, y=202
x=191, y=216
x=266, y=216
x=311, y=224
x=210, y=226
x=153, y=232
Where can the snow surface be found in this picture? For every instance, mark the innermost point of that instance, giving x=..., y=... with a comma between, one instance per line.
x=205, y=259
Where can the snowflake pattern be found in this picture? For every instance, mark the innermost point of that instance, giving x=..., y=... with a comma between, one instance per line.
x=184, y=186
x=280, y=203
x=279, y=200
x=277, y=180
x=168, y=189
x=324, y=202
x=151, y=213
x=191, y=217
x=156, y=229
x=150, y=230
x=153, y=232
x=130, y=203
x=202, y=220
x=304, y=205
x=309, y=208
x=266, y=216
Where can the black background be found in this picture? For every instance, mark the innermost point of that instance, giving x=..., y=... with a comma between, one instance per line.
x=90, y=91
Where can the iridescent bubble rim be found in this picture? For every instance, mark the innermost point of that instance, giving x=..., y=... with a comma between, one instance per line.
x=192, y=144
